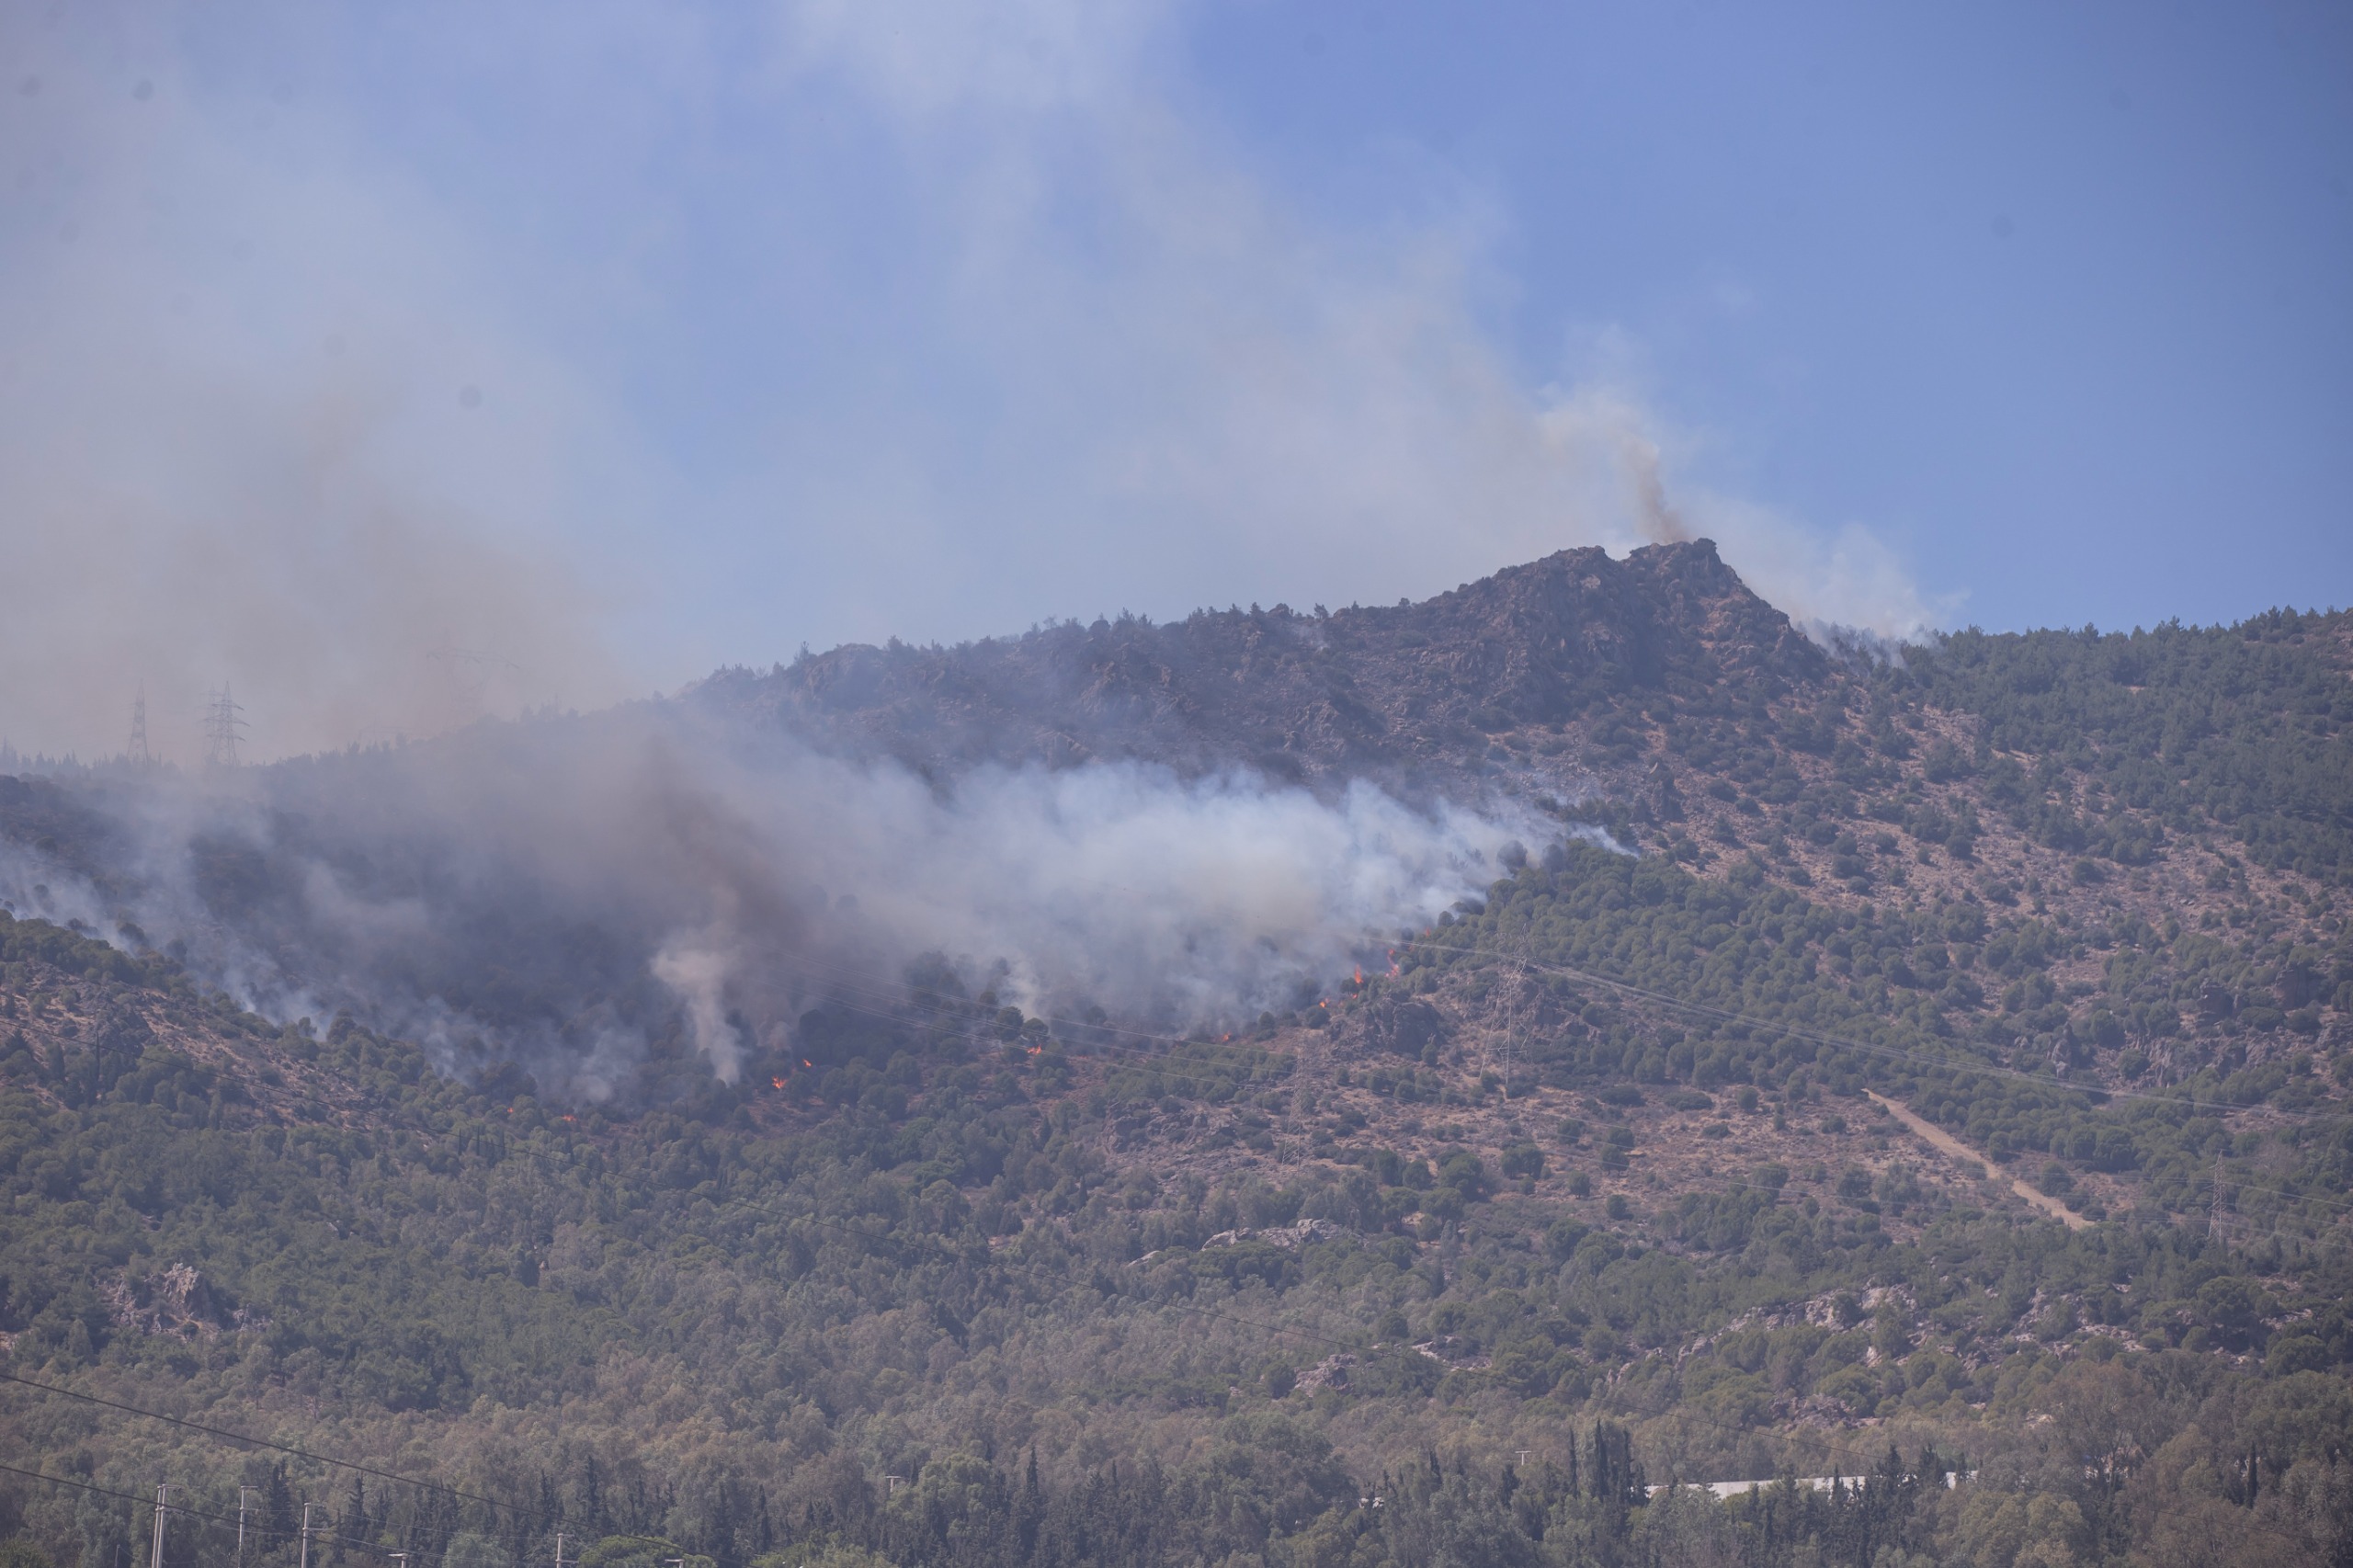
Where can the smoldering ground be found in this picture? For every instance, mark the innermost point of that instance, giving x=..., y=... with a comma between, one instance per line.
x=565, y=892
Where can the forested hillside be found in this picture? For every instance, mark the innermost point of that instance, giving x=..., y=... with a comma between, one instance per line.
x=1617, y=1176
x=1405, y=693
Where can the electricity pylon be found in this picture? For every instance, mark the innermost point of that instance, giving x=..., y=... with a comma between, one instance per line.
x=222, y=723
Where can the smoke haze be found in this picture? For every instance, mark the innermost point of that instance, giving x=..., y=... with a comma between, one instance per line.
x=388, y=420
x=396, y=372
x=244, y=438
x=559, y=891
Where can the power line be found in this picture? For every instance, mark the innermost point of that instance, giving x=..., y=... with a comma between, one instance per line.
x=1359, y=1348
x=904, y=1247
x=265, y=1443
x=182, y=1508
x=314, y=1533
x=1037, y=1270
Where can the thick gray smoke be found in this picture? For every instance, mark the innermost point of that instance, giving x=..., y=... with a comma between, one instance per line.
x=560, y=892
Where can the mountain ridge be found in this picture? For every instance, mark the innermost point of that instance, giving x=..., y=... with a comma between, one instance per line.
x=1580, y=1181
x=1388, y=692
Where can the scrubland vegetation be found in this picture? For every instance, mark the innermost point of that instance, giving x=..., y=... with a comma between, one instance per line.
x=1582, y=1193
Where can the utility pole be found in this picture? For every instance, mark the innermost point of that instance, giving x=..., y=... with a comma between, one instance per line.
x=1516, y=1023
x=559, y=1549
x=306, y=1536
x=137, y=751
x=241, y=1525
x=155, y=1547
x=2214, y=1202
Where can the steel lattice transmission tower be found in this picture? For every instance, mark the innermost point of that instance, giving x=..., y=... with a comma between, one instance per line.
x=137, y=751
x=222, y=723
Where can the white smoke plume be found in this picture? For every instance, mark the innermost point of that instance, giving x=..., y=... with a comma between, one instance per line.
x=1824, y=583
x=1204, y=392
x=557, y=892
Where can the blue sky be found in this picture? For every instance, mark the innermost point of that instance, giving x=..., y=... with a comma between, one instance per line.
x=397, y=363
x=2053, y=297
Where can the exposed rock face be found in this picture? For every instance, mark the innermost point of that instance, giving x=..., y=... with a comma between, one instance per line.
x=1407, y=1027
x=1402, y=692
x=1288, y=1237
x=176, y=1302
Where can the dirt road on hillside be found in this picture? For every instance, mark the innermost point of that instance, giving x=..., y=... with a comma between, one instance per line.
x=1945, y=1142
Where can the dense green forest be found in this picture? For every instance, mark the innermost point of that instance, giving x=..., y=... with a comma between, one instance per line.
x=1585, y=1193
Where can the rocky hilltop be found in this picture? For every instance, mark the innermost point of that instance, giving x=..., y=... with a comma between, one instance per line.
x=1408, y=692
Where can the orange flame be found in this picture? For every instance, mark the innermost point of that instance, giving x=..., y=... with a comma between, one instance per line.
x=1036, y=1049
x=778, y=1082
x=806, y=1062
x=1360, y=976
